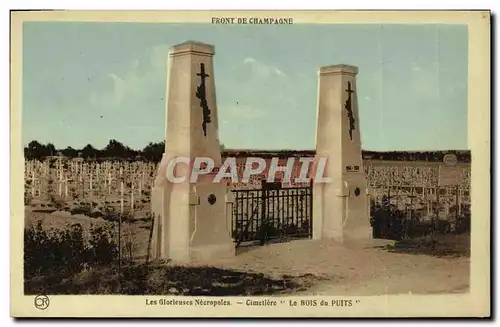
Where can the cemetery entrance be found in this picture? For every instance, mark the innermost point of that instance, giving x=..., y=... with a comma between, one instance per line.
x=271, y=213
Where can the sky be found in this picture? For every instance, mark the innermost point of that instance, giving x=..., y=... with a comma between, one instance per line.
x=91, y=82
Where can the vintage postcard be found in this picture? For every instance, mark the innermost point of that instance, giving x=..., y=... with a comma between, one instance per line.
x=250, y=164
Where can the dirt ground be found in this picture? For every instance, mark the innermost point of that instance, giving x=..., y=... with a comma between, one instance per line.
x=354, y=269
x=327, y=267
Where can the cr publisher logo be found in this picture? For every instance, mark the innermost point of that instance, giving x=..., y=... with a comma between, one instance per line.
x=42, y=302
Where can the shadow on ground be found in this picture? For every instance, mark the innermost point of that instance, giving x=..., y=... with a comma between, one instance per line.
x=167, y=280
x=437, y=246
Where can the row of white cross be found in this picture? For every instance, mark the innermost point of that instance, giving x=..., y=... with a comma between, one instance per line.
x=428, y=195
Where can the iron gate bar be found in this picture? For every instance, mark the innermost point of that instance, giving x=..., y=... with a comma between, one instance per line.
x=272, y=212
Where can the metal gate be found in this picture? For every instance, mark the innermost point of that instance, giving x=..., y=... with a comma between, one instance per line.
x=271, y=213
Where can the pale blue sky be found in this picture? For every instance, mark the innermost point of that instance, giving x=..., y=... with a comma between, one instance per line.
x=412, y=82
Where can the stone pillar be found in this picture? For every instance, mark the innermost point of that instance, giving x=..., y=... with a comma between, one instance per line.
x=340, y=207
x=190, y=218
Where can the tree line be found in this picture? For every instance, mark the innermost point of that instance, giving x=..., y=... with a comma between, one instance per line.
x=153, y=152
x=113, y=150
x=463, y=156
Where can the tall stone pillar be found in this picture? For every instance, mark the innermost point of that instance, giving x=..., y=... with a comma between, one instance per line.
x=340, y=206
x=190, y=217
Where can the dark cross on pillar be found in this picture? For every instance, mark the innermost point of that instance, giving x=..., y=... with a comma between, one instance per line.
x=202, y=95
x=202, y=73
x=348, y=108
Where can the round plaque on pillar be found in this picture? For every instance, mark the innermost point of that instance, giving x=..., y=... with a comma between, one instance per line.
x=212, y=198
x=357, y=191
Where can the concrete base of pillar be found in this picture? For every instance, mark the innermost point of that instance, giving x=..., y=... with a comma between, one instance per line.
x=358, y=235
x=347, y=235
x=333, y=220
x=210, y=253
x=201, y=254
